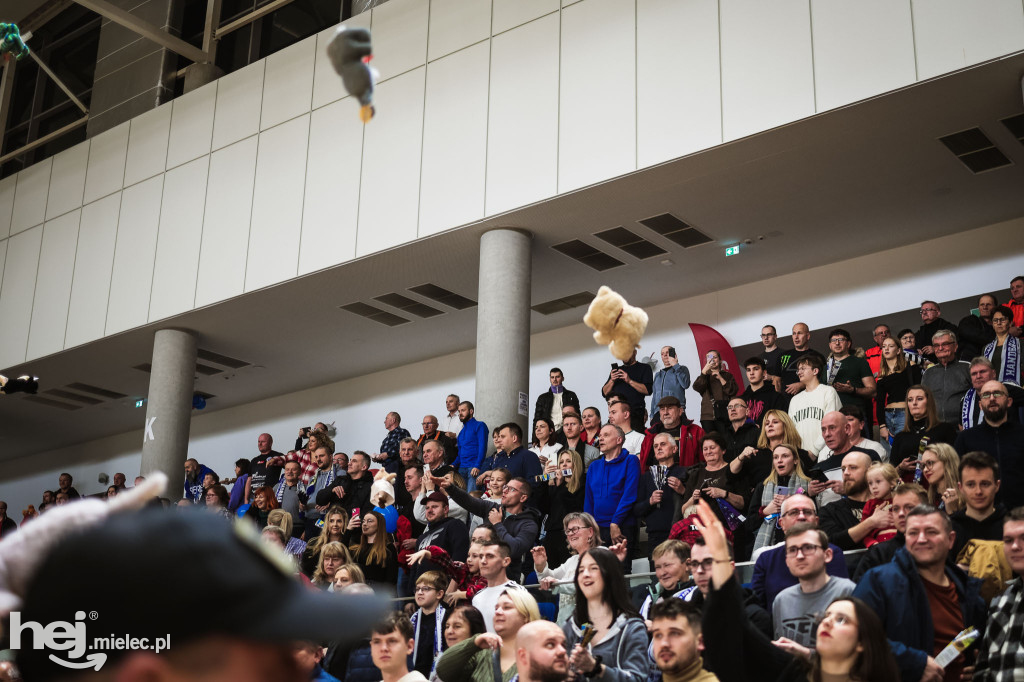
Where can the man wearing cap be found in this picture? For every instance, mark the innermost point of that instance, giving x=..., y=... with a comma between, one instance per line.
x=673, y=421
x=265, y=610
x=442, y=531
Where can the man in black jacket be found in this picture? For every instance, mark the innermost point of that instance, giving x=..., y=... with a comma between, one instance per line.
x=442, y=531
x=551, y=402
x=1002, y=439
x=352, y=492
x=909, y=496
x=931, y=322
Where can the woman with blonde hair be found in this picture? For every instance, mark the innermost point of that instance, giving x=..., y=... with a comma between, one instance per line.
x=372, y=549
x=474, y=659
x=787, y=478
x=283, y=520
x=347, y=574
x=755, y=463
x=559, y=496
x=582, y=533
x=335, y=523
x=332, y=557
x=941, y=468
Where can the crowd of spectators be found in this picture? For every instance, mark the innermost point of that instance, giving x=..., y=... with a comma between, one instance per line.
x=877, y=493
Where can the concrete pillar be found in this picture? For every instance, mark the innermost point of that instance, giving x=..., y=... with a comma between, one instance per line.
x=503, y=328
x=169, y=406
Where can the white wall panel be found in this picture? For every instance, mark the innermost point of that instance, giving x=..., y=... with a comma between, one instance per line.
x=597, y=102
x=239, y=103
x=67, y=181
x=331, y=208
x=327, y=86
x=522, y=135
x=399, y=36
x=767, y=74
x=7, y=188
x=454, y=140
x=679, y=105
x=389, y=191
x=288, y=84
x=131, y=279
x=455, y=24
x=3, y=258
x=192, y=125
x=277, y=204
x=860, y=50
x=226, y=223
x=147, y=144
x=107, y=154
x=952, y=34
x=178, y=240
x=18, y=285
x=87, y=314
x=30, y=196
x=511, y=13
x=53, y=285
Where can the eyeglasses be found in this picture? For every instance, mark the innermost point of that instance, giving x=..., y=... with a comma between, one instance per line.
x=794, y=513
x=767, y=336
x=929, y=310
x=736, y=407
x=992, y=394
x=929, y=465
x=806, y=550
x=700, y=565
x=838, y=339
x=945, y=344
x=507, y=488
x=573, y=531
x=425, y=588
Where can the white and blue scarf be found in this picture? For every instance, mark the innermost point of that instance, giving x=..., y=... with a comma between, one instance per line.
x=438, y=629
x=1009, y=365
x=967, y=419
x=311, y=489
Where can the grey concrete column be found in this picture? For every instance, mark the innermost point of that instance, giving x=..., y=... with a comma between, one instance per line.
x=169, y=406
x=503, y=328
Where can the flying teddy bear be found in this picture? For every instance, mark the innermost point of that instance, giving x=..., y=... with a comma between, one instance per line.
x=617, y=324
x=382, y=496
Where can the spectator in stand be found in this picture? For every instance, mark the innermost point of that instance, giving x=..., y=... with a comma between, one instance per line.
x=676, y=642
x=430, y=432
x=7, y=524
x=771, y=356
x=671, y=380
x=427, y=621
x=558, y=497
x=325, y=478
x=308, y=657
x=455, y=510
x=835, y=431
x=1002, y=439
x=940, y=466
x=975, y=331
x=771, y=575
x=923, y=601
x=513, y=456
x=895, y=376
x=807, y=408
x=292, y=497
x=848, y=374
x=551, y=402
x=372, y=550
x=1016, y=304
x=572, y=433
x=583, y=534
x=465, y=575
x=61, y=498
x=908, y=343
x=1001, y=651
x=514, y=523
x=611, y=489
x=263, y=502
x=349, y=574
x=755, y=463
x=855, y=432
x=111, y=491
x=949, y=379
x=873, y=355
x=761, y=394
x=463, y=622
x=712, y=479
x=922, y=421
x=388, y=455
x=795, y=609
x=850, y=645
x=195, y=473
x=47, y=501
x=660, y=484
x=882, y=482
x=495, y=558
x=931, y=324
x=702, y=564
x=216, y=497
x=472, y=445
x=241, y=489
x=787, y=478
x=306, y=431
x=983, y=372
x=620, y=414
x=335, y=524
x=540, y=653
x=451, y=421
x=791, y=383
x=618, y=650
x=292, y=546
x=905, y=497
x=491, y=656
x=263, y=473
x=392, y=644
x=591, y=425
x=449, y=534
x=333, y=556
x=843, y=520
x=673, y=421
x=544, y=443
x=716, y=387
x=671, y=560
x=1004, y=351
x=981, y=517
x=741, y=432
x=634, y=381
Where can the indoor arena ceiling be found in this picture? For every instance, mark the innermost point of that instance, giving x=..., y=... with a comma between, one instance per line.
x=850, y=182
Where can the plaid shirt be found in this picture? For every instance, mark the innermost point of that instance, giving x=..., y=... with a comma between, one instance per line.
x=305, y=459
x=390, y=444
x=1001, y=654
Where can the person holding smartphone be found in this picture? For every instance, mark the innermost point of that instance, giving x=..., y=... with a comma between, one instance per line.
x=671, y=380
x=634, y=381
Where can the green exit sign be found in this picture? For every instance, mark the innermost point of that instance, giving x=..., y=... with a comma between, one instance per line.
x=732, y=250
x=140, y=403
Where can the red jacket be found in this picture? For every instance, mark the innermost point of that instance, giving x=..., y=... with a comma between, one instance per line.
x=688, y=437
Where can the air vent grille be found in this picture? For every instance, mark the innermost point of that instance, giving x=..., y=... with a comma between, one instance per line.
x=218, y=359
x=1015, y=124
x=40, y=400
x=96, y=390
x=443, y=296
x=675, y=230
x=975, y=150
x=588, y=255
x=631, y=243
x=206, y=370
x=406, y=304
x=565, y=303
x=374, y=314
x=73, y=396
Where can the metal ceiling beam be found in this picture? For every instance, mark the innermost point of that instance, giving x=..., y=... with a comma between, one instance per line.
x=46, y=138
x=146, y=30
x=6, y=91
x=60, y=84
x=249, y=18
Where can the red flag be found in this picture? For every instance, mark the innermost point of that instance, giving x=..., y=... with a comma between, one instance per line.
x=707, y=340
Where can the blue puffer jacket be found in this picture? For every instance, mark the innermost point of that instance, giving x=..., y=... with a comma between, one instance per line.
x=895, y=592
x=360, y=665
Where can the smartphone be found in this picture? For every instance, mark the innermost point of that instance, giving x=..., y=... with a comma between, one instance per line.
x=710, y=357
x=615, y=366
x=566, y=473
x=782, y=490
x=355, y=512
x=671, y=352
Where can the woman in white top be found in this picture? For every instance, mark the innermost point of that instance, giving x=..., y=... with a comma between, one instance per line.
x=544, y=444
x=582, y=533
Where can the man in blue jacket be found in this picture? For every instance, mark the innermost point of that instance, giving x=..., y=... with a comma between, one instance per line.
x=472, y=445
x=612, y=483
x=924, y=602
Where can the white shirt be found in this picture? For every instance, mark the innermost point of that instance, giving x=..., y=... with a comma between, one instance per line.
x=556, y=409
x=486, y=599
x=633, y=442
x=450, y=422
x=419, y=510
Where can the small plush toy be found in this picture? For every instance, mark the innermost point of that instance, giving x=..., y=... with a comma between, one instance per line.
x=617, y=324
x=350, y=52
x=382, y=496
x=11, y=41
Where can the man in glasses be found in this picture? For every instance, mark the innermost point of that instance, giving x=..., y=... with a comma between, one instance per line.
x=701, y=563
x=795, y=609
x=1001, y=438
x=771, y=575
x=949, y=378
x=931, y=322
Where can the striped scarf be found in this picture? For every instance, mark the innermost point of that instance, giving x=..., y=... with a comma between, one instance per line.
x=766, y=532
x=311, y=490
x=967, y=419
x=438, y=620
x=1009, y=365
